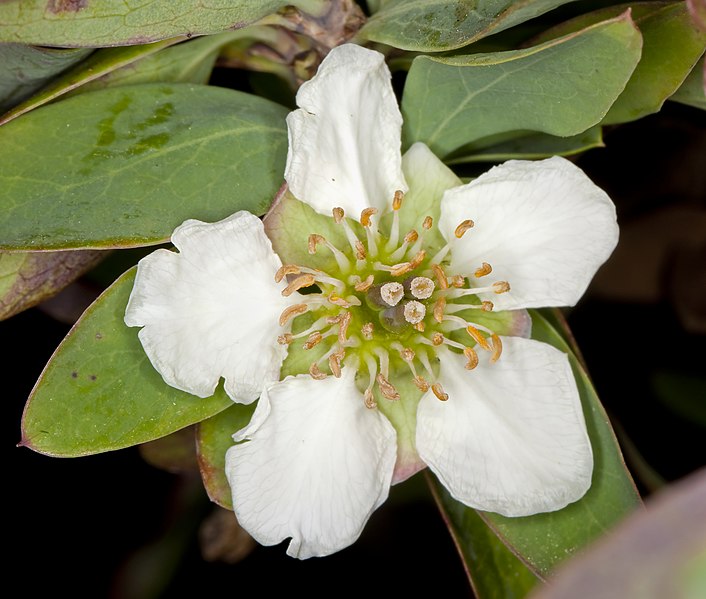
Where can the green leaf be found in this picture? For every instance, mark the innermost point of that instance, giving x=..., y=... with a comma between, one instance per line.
x=527, y=146
x=562, y=87
x=25, y=69
x=544, y=540
x=437, y=25
x=125, y=22
x=98, y=65
x=99, y=391
x=174, y=453
x=214, y=437
x=493, y=570
x=136, y=162
x=693, y=91
x=28, y=278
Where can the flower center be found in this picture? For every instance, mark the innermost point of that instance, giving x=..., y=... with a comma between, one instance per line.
x=389, y=307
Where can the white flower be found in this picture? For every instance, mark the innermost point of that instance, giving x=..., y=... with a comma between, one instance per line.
x=411, y=350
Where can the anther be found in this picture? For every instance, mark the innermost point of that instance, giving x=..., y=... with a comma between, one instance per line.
x=421, y=383
x=419, y=326
x=411, y=237
x=360, y=252
x=501, y=287
x=487, y=306
x=463, y=227
x=421, y=287
x=485, y=269
x=298, y=283
x=497, y=347
x=285, y=339
x=315, y=372
x=427, y=223
x=369, y=399
x=343, y=327
x=478, y=337
x=437, y=339
x=338, y=215
x=334, y=362
x=286, y=269
x=290, y=312
x=397, y=200
x=367, y=330
x=314, y=240
x=458, y=281
x=471, y=358
x=407, y=354
x=440, y=276
x=387, y=388
x=364, y=285
x=365, y=216
x=343, y=302
x=313, y=340
x=418, y=259
x=397, y=270
x=392, y=293
x=439, y=392
x=439, y=308
x=414, y=312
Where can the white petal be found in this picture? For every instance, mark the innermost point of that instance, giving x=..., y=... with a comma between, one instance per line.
x=543, y=226
x=314, y=465
x=344, y=141
x=511, y=438
x=212, y=310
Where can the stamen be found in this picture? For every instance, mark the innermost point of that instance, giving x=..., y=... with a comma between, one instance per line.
x=487, y=306
x=437, y=339
x=419, y=326
x=463, y=227
x=343, y=327
x=399, y=253
x=290, y=312
x=471, y=357
x=367, y=330
x=372, y=372
x=370, y=229
x=315, y=372
x=313, y=340
x=396, y=270
x=397, y=200
x=392, y=293
x=439, y=392
x=334, y=362
x=364, y=285
x=478, y=337
x=441, y=254
x=458, y=281
x=414, y=312
x=316, y=239
x=427, y=223
x=421, y=287
x=485, y=269
x=440, y=276
x=421, y=383
x=384, y=359
x=285, y=339
x=369, y=399
x=395, y=229
x=298, y=283
x=501, y=287
x=343, y=302
x=338, y=215
x=387, y=388
x=286, y=269
x=418, y=259
x=497, y=347
x=365, y=216
x=439, y=309
x=360, y=252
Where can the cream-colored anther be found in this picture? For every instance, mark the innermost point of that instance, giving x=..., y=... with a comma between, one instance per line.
x=471, y=358
x=418, y=259
x=419, y=326
x=392, y=293
x=338, y=214
x=291, y=312
x=334, y=319
x=497, y=347
x=397, y=200
x=411, y=237
x=343, y=327
x=501, y=287
x=315, y=372
x=440, y=275
x=300, y=282
x=364, y=285
x=421, y=287
x=407, y=354
x=367, y=330
x=485, y=269
x=369, y=399
x=314, y=240
x=334, y=362
x=439, y=308
x=285, y=339
x=397, y=270
x=366, y=215
x=427, y=223
x=463, y=227
x=337, y=300
x=458, y=281
x=477, y=336
x=286, y=269
x=360, y=252
x=313, y=340
x=439, y=392
x=487, y=306
x=437, y=339
x=387, y=388
x=421, y=383
x=414, y=312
